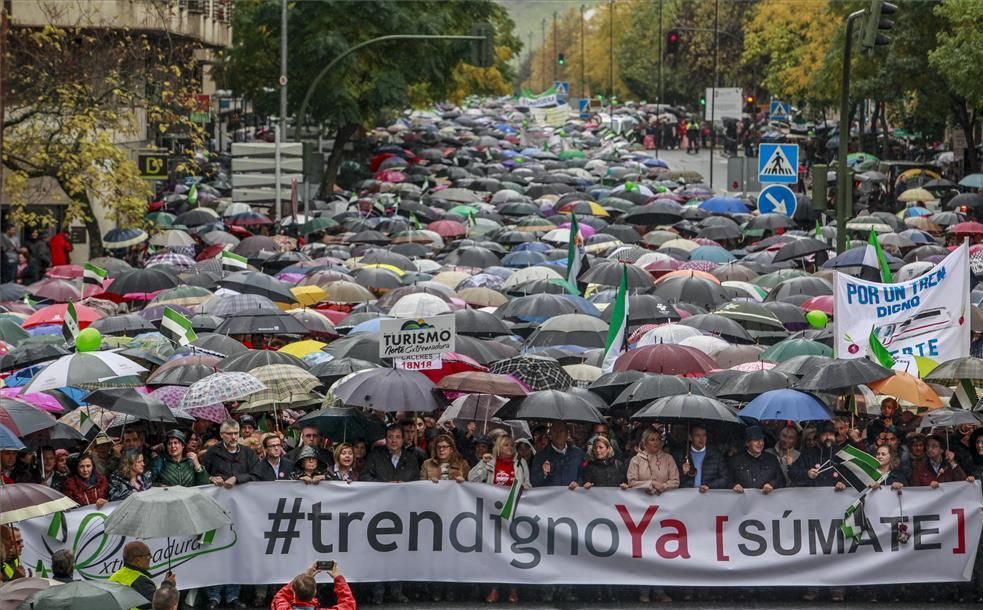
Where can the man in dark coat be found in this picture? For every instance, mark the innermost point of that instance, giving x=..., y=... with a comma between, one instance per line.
x=273, y=467
x=814, y=467
x=229, y=463
x=701, y=466
x=310, y=436
x=753, y=468
x=394, y=461
x=558, y=464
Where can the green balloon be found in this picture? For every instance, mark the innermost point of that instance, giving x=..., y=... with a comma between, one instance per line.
x=817, y=319
x=88, y=340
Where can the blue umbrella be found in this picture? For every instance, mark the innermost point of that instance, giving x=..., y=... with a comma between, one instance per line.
x=525, y=258
x=21, y=377
x=714, y=254
x=725, y=205
x=9, y=440
x=369, y=326
x=535, y=246
x=917, y=211
x=785, y=405
x=918, y=236
x=123, y=238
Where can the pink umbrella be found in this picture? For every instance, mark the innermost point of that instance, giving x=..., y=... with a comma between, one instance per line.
x=40, y=400
x=65, y=272
x=585, y=230
x=703, y=241
x=823, y=303
x=171, y=396
x=290, y=278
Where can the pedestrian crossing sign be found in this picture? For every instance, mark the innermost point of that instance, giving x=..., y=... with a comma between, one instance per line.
x=778, y=163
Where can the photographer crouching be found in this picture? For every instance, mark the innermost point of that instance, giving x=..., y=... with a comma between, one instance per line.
x=302, y=590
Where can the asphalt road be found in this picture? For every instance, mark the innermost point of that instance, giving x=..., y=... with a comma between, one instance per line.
x=679, y=160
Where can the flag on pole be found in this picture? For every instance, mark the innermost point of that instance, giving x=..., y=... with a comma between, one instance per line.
x=874, y=266
x=511, y=502
x=233, y=262
x=576, y=255
x=880, y=353
x=416, y=221
x=193, y=195
x=58, y=528
x=854, y=521
x=70, y=326
x=93, y=274
x=857, y=467
x=617, y=331
x=819, y=231
x=176, y=327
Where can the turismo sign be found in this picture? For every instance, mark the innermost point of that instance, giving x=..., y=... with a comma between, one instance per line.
x=409, y=338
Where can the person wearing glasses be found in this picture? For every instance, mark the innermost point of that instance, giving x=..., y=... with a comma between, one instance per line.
x=310, y=436
x=445, y=463
x=11, y=546
x=274, y=466
x=135, y=574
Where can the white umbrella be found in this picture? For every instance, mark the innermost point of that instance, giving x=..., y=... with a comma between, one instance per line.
x=83, y=368
x=219, y=388
x=162, y=512
x=706, y=344
x=668, y=333
x=419, y=305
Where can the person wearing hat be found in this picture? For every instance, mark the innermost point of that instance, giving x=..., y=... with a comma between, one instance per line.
x=309, y=467
x=176, y=467
x=753, y=468
x=814, y=468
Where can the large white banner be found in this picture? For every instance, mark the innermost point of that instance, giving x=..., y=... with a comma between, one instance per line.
x=928, y=316
x=452, y=532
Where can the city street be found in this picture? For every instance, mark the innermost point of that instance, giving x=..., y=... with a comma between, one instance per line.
x=679, y=160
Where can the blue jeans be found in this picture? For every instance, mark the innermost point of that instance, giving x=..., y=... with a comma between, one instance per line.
x=215, y=593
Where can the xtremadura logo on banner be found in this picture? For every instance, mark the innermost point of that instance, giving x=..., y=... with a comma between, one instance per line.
x=98, y=554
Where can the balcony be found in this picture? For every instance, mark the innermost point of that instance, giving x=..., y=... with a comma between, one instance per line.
x=207, y=21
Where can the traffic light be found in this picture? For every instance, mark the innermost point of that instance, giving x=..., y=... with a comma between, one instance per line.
x=483, y=50
x=750, y=100
x=561, y=59
x=672, y=42
x=703, y=101
x=875, y=24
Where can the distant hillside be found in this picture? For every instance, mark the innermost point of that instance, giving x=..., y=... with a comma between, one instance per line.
x=529, y=14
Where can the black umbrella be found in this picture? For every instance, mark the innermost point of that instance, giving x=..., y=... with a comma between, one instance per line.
x=255, y=358
x=843, y=373
x=126, y=324
x=608, y=273
x=204, y=323
x=222, y=344
x=360, y=346
x=480, y=324
x=624, y=232
x=536, y=307
x=687, y=408
x=799, y=248
x=805, y=286
x=659, y=212
x=484, y=352
x=472, y=257
x=552, y=405
x=333, y=370
x=261, y=322
x=723, y=327
x=653, y=387
x=570, y=329
x=609, y=385
x=30, y=354
x=691, y=289
x=131, y=402
x=184, y=372
x=746, y=386
x=344, y=424
x=644, y=309
x=254, y=282
x=143, y=281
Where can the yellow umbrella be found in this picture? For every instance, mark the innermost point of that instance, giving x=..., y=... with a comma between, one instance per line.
x=302, y=348
x=907, y=387
x=308, y=295
x=392, y=268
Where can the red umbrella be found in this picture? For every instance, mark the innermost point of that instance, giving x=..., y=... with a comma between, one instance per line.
x=823, y=303
x=390, y=175
x=210, y=252
x=62, y=291
x=335, y=315
x=448, y=228
x=454, y=363
x=65, y=272
x=966, y=228
x=55, y=314
x=667, y=359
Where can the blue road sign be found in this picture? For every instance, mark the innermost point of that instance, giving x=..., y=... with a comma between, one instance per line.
x=777, y=199
x=562, y=88
x=778, y=163
x=779, y=111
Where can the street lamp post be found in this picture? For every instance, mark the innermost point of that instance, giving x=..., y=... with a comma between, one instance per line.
x=843, y=181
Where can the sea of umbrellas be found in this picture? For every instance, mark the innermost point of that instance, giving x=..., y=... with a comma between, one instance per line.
x=468, y=213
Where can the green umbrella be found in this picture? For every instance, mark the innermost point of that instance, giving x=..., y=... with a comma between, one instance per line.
x=790, y=348
x=463, y=211
x=163, y=219
x=11, y=332
x=84, y=595
x=571, y=154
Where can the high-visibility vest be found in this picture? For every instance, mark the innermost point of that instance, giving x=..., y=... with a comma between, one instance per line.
x=126, y=577
x=10, y=568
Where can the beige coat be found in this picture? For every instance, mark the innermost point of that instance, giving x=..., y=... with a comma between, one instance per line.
x=661, y=468
x=431, y=469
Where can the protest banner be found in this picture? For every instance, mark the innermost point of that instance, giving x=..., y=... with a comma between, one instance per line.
x=927, y=316
x=453, y=532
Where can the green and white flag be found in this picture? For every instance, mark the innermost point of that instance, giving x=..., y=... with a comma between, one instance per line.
x=875, y=267
x=416, y=221
x=58, y=528
x=576, y=255
x=618, y=330
x=70, y=326
x=233, y=262
x=193, y=195
x=819, y=231
x=857, y=467
x=176, y=327
x=879, y=353
x=854, y=521
x=508, y=509
x=93, y=274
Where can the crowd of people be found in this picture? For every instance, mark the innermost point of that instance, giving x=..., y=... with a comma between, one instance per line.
x=656, y=459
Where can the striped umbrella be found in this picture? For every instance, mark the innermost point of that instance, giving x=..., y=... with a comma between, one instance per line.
x=286, y=384
x=83, y=368
x=180, y=261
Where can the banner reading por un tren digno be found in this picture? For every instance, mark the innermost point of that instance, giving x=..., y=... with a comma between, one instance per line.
x=928, y=316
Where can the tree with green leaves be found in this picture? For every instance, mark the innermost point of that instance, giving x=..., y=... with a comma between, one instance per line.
x=373, y=84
